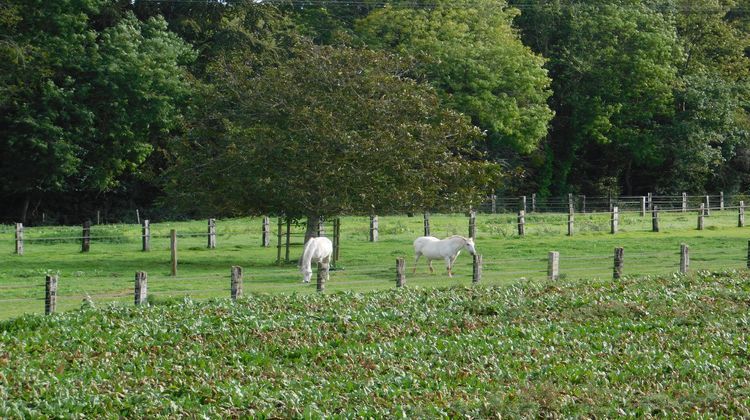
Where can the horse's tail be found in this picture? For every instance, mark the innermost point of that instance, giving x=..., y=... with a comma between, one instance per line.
x=307, y=252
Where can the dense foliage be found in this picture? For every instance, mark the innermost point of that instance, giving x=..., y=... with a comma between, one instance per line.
x=605, y=97
x=640, y=89
x=670, y=346
x=85, y=98
x=378, y=142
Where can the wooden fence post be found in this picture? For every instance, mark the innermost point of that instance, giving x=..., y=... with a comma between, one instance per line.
x=141, y=287
x=523, y=203
x=86, y=237
x=401, y=269
x=741, y=215
x=619, y=263
x=373, y=228
x=473, y=224
x=320, y=230
x=211, y=233
x=236, y=282
x=643, y=206
x=748, y=254
x=146, y=235
x=288, y=239
x=521, y=223
x=553, y=265
x=650, y=201
x=614, y=222
x=701, y=213
x=19, y=238
x=278, y=243
x=50, y=294
x=655, y=219
x=493, y=199
x=570, y=203
x=583, y=204
x=266, y=236
x=533, y=203
x=173, y=249
x=721, y=200
x=684, y=258
x=476, y=273
x=427, y=223
x=708, y=205
x=684, y=202
x=322, y=277
x=98, y=217
x=336, y=240
x=570, y=224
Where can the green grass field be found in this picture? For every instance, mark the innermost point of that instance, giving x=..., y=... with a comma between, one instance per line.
x=106, y=272
x=668, y=346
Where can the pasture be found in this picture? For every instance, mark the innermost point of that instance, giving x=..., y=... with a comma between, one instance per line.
x=674, y=346
x=106, y=273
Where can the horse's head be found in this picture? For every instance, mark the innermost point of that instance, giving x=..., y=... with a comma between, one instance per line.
x=306, y=274
x=470, y=246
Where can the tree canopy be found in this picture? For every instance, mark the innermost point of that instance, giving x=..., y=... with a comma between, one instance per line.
x=469, y=51
x=332, y=130
x=316, y=108
x=83, y=103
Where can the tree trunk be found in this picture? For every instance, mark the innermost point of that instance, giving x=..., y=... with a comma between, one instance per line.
x=312, y=227
x=25, y=207
x=628, y=181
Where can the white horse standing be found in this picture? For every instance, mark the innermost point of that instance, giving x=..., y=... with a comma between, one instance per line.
x=318, y=250
x=434, y=249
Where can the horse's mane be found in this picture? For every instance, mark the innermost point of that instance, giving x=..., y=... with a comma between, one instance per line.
x=304, y=264
x=460, y=237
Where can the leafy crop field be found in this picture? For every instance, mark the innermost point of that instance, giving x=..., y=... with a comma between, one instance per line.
x=660, y=345
x=106, y=273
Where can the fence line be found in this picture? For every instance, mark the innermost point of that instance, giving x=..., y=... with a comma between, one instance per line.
x=556, y=268
x=132, y=237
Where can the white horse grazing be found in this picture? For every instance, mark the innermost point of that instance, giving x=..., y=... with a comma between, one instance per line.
x=434, y=249
x=318, y=250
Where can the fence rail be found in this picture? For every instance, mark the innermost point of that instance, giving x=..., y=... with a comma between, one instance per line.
x=520, y=222
x=553, y=267
x=497, y=269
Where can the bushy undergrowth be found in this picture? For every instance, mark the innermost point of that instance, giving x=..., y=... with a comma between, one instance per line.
x=674, y=345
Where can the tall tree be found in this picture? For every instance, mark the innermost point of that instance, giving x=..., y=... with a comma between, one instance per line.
x=643, y=88
x=84, y=102
x=614, y=66
x=469, y=51
x=711, y=130
x=333, y=130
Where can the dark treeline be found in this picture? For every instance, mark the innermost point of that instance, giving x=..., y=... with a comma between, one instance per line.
x=312, y=108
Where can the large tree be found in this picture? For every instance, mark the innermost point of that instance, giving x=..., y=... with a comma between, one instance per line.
x=475, y=59
x=649, y=96
x=333, y=130
x=710, y=136
x=614, y=66
x=86, y=96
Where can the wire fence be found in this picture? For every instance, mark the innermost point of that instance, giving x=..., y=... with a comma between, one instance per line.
x=594, y=204
x=34, y=296
x=503, y=224
x=26, y=292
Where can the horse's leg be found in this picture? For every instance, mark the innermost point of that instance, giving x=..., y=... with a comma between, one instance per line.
x=416, y=260
x=449, y=265
x=327, y=263
x=429, y=263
